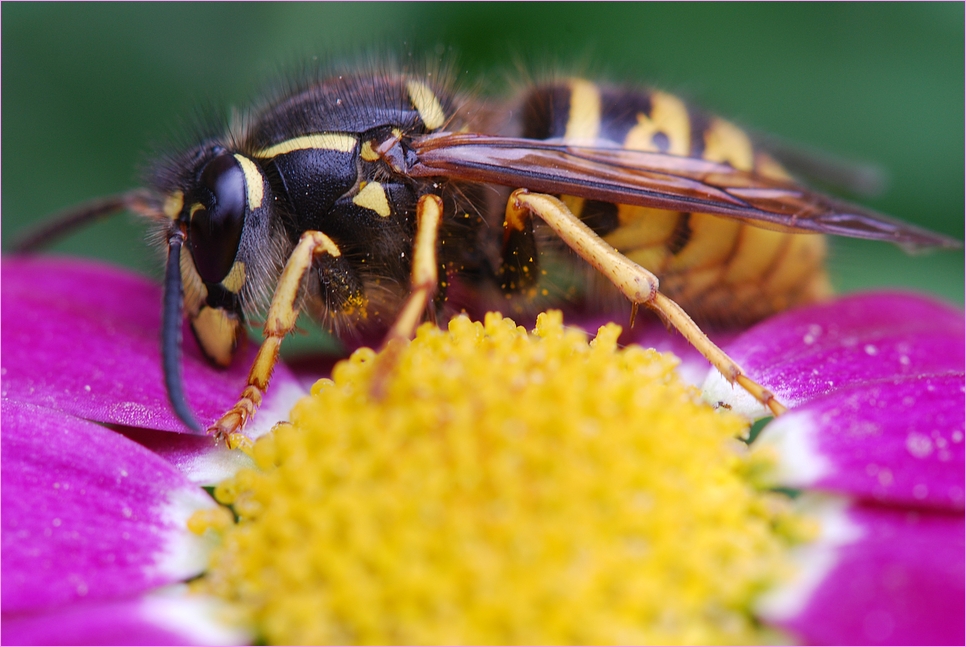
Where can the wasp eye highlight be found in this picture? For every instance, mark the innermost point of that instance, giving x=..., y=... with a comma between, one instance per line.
x=215, y=229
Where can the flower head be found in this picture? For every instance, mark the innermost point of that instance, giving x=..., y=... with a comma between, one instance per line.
x=508, y=488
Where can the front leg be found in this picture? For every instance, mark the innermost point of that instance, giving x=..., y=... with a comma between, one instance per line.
x=282, y=315
x=636, y=283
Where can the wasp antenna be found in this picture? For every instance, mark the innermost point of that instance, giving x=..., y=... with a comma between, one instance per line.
x=138, y=201
x=171, y=333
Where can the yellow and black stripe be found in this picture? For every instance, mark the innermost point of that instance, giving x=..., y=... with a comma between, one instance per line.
x=718, y=268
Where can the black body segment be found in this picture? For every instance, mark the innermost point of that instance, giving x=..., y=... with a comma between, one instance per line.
x=354, y=104
x=544, y=113
x=309, y=181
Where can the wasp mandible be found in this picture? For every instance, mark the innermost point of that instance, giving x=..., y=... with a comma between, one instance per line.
x=365, y=199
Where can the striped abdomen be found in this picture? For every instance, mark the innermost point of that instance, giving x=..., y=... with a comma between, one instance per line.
x=717, y=268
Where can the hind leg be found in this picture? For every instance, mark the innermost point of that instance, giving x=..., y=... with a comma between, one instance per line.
x=636, y=283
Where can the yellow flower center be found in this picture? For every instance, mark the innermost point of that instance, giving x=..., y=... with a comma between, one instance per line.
x=505, y=488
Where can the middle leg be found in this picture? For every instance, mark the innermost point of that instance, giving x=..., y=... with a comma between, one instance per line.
x=424, y=281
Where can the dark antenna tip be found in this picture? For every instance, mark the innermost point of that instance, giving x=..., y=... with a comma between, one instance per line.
x=171, y=333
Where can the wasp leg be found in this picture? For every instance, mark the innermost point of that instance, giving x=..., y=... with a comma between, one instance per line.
x=280, y=322
x=635, y=282
x=424, y=277
x=519, y=264
x=424, y=280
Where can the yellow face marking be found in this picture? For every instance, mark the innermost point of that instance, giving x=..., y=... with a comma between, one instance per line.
x=235, y=279
x=426, y=104
x=195, y=208
x=367, y=153
x=325, y=141
x=373, y=197
x=173, y=204
x=725, y=142
x=668, y=115
x=583, y=122
x=216, y=334
x=195, y=291
x=253, y=181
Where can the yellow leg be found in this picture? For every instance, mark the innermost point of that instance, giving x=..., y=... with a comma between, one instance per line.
x=424, y=276
x=635, y=282
x=424, y=279
x=282, y=315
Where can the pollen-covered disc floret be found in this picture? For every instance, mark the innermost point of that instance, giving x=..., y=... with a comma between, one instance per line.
x=507, y=488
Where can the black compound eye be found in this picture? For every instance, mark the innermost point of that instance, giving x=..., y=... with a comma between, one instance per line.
x=216, y=226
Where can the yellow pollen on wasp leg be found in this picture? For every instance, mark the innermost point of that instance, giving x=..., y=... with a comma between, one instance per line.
x=509, y=487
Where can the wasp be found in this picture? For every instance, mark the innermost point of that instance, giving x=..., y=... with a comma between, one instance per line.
x=375, y=201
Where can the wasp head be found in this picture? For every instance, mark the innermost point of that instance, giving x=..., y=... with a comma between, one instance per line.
x=214, y=199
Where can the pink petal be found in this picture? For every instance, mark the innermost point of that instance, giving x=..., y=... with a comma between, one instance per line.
x=811, y=352
x=87, y=514
x=84, y=338
x=880, y=576
x=171, y=619
x=899, y=441
x=199, y=459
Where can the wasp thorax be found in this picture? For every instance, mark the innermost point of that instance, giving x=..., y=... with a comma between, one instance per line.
x=216, y=217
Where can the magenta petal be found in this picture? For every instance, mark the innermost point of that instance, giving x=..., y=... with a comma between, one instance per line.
x=84, y=338
x=900, y=441
x=894, y=576
x=173, y=619
x=88, y=514
x=813, y=351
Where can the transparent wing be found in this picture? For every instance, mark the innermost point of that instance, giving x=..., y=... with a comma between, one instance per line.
x=656, y=180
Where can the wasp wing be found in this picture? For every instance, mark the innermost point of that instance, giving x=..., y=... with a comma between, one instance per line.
x=657, y=180
x=857, y=178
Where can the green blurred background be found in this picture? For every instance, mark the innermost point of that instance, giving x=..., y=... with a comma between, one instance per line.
x=88, y=89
